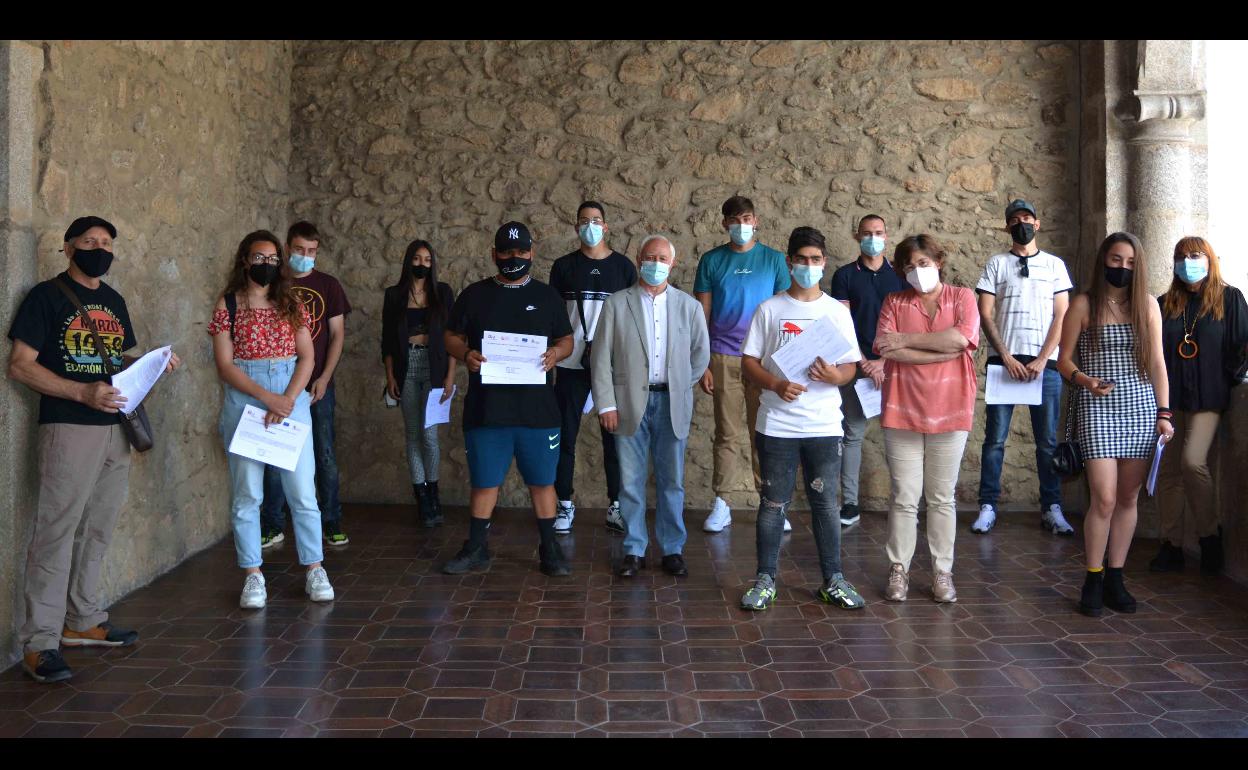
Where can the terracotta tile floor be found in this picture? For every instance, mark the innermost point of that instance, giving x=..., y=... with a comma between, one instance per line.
x=406, y=651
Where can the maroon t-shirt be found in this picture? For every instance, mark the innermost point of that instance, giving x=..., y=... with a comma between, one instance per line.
x=324, y=298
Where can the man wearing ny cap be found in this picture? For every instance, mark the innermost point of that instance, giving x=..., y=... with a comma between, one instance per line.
x=506, y=421
x=83, y=455
x=1023, y=296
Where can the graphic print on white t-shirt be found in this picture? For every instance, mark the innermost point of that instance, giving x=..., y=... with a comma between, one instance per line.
x=791, y=327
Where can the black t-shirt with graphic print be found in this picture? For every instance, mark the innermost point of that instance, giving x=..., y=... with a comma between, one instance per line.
x=48, y=322
x=532, y=308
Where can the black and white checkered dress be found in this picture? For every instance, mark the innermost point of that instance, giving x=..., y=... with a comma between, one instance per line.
x=1122, y=425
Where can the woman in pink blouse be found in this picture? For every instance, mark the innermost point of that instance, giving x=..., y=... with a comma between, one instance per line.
x=927, y=335
x=263, y=350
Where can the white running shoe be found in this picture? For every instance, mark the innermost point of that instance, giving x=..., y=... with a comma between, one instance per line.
x=1055, y=522
x=615, y=522
x=565, y=512
x=316, y=584
x=787, y=526
x=721, y=516
x=254, y=594
x=986, y=521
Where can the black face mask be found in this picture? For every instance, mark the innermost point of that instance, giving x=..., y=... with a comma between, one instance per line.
x=420, y=271
x=1023, y=233
x=1119, y=277
x=514, y=268
x=93, y=262
x=263, y=274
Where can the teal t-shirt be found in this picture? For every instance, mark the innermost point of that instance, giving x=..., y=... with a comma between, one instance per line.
x=738, y=283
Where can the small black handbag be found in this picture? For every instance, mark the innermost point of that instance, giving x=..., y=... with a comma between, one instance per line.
x=1068, y=457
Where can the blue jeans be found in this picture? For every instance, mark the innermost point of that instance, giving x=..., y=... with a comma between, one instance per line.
x=272, y=515
x=1043, y=426
x=247, y=476
x=820, y=457
x=655, y=440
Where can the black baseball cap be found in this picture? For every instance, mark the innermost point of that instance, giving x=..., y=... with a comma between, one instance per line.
x=83, y=224
x=1017, y=205
x=513, y=235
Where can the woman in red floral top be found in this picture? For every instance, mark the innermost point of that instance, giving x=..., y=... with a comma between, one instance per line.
x=263, y=350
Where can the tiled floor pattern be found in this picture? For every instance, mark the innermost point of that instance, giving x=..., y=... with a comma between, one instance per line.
x=406, y=651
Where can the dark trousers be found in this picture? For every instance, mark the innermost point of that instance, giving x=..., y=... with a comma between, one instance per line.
x=571, y=389
x=272, y=514
x=820, y=458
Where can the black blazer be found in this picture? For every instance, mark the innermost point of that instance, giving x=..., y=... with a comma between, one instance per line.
x=394, y=334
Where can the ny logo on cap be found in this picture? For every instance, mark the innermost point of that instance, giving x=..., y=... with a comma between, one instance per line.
x=514, y=234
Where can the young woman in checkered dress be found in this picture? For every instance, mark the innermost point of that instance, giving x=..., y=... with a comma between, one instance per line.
x=1121, y=403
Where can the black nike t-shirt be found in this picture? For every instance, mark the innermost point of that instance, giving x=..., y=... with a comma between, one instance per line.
x=532, y=308
x=48, y=322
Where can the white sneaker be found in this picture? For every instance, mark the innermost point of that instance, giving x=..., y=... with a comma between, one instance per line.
x=254, y=594
x=615, y=522
x=317, y=586
x=1055, y=522
x=721, y=516
x=986, y=521
x=787, y=526
x=565, y=512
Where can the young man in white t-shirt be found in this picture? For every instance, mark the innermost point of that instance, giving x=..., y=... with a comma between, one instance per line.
x=800, y=422
x=1023, y=296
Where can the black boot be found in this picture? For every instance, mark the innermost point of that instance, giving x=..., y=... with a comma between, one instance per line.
x=1211, y=556
x=1091, y=599
x=552, y=561
x=1115, y=596
x=434, y=502
x=1168, y=559
x=426, y=507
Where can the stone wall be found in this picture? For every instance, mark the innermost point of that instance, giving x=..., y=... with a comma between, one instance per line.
x=184, y=146
x=446, y=140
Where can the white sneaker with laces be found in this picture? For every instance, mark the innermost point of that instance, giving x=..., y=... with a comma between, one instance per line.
x=1055, y=522
x=615, y=522
x=986, y=521
x=565, y=512
x=317, y=585
x=787, y=526
x=721, y=516
x=254, y=594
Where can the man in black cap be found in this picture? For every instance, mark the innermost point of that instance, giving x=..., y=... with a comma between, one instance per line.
x=502, y=421
x=84, y=457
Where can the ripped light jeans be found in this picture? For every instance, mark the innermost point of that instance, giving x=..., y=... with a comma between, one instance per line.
x=820, y=458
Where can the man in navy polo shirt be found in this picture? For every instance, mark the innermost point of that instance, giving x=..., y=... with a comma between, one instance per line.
x=862, y=285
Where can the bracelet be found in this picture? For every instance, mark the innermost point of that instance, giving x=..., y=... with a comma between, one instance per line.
x=1165, y=417
x=1073, y=375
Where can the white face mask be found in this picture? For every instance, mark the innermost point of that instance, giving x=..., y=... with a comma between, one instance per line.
x=923, y=279
x=740, y=234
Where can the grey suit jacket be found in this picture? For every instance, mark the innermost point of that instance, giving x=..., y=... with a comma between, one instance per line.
x=620, y=358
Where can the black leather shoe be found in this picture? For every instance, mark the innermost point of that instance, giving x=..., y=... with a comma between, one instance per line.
x=631, y=565
x=674, y=564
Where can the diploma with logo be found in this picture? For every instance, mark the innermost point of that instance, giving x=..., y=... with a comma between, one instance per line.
x=820, y=339
x=512, y=359
x=278, y=444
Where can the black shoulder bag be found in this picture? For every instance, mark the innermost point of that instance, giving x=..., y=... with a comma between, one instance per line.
x=135, y=425
x=1068, y=457
x=580, y=309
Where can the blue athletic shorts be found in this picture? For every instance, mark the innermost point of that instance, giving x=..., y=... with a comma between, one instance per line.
x=490, y=450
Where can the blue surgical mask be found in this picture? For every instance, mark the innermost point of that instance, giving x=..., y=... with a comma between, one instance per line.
x=872, y=245
x=591, y=234
x=1191, y=270
x=741, y=234
x=654, y=272
x=301, y=264
x=807, y=276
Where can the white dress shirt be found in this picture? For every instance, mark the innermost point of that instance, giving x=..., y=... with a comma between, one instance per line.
x=655, y=308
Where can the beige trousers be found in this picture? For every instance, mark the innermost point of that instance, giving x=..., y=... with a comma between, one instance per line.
x=918, y=464
x=736, y=412
x=1184, y=477
x=84, y=473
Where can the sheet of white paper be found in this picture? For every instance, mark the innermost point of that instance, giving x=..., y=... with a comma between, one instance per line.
x=278, y=445
x=869, y=396
x=1152, y=472
x=512, y=359
x=1004, y=389
x=589, y=404
x=137, y=379
x=437, y=413
x=823, y=339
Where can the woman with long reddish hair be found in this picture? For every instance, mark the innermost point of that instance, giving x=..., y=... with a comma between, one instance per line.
x=1122, y=401
x=1204, y=331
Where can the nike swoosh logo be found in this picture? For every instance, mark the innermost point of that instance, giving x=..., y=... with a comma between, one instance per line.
x=554, y=445
x=552, y=438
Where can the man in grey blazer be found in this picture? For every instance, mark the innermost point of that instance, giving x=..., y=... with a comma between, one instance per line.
x=650, y=348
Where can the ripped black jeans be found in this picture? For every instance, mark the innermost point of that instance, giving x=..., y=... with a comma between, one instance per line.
x=820, y=457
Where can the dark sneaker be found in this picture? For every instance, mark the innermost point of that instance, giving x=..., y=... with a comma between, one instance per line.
x=552, y=560
x=1211, y=555
x=849, y=515
x=761, y=595
x=1169, y=558
x=270, y=539
x=842, y=593
x=1116, y=596
x=46, y=666
x=103, y=635
x=335, y=536
x=468, y=560
x=1092, y=597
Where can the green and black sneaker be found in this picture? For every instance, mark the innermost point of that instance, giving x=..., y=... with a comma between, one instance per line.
x=842, y=593
x=761, y=595
x=335, y=536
